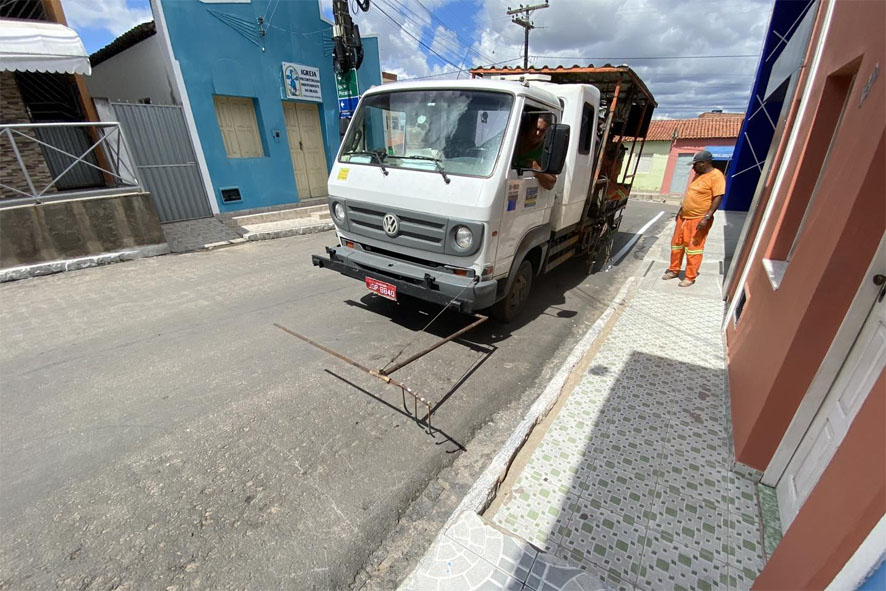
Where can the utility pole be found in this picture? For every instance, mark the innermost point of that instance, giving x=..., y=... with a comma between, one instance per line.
x=527, y=25
x=347, y=56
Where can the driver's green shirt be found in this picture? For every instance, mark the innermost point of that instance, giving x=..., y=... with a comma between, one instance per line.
x=523, y=160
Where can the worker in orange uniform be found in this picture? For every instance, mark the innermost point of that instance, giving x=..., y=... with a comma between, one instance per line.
x=695, y=217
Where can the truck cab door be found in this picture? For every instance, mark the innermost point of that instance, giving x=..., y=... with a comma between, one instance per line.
x=527, y=203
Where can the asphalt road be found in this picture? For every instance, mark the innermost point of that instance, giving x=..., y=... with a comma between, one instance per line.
x=158, y=432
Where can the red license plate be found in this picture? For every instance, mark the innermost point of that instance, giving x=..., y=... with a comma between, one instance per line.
x=385, y=290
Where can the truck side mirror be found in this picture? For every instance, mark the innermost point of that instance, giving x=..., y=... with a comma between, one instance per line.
x=553, y=155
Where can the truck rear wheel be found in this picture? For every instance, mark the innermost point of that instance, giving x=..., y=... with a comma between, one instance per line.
x=508, y=308
x=601, y=257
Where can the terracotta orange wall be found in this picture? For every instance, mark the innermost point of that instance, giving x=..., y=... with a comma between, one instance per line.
x=842, y=510
x=783, y=335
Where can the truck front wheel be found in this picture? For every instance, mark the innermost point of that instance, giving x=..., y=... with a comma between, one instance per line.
x=508, y=308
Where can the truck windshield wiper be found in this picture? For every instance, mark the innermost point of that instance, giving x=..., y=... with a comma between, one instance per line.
x=375, y=155
x=436, y=161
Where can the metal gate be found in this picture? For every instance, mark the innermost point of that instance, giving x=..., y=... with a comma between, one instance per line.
x=161, y=147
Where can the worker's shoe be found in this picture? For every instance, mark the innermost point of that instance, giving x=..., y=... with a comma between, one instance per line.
x=686, y=283
x=669, y=275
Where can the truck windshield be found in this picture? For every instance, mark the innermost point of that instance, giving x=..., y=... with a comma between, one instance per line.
x=454, y=131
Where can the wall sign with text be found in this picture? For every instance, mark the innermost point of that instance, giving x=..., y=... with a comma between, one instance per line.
x=301, y=82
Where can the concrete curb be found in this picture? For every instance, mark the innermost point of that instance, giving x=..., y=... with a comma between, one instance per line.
x=294, y=231
x=486, y=486
x=105, y=258
x=657, y=198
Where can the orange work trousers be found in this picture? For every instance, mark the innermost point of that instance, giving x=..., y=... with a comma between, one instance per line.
x=691, y=241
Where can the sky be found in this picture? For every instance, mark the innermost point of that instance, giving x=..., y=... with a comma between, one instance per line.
x=694, y=55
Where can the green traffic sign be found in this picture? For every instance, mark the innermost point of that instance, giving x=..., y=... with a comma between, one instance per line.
x=346, y=84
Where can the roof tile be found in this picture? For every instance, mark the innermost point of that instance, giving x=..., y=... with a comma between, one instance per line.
x=727, y=126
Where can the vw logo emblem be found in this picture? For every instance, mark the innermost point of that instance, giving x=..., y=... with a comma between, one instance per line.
x=391, y=225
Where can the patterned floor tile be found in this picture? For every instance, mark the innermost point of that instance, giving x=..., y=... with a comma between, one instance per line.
x=510, y=555
x=686, y=476
x=536, y=518
x=740, y=579
x=636, y=420
x=742, y=497
x=619, y=490
x=694, y=523
x=617, y=451
x=606, y=540
x=706, y=431
x=745, y=544
x=556, y=467
x=669, y=565
x=551, y=573
x=709, y=451
x=611, y=579
x=452, y=567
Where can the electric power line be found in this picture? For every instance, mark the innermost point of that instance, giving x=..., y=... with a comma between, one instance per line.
x=420, y=42
x=467, y=43
x=513, y=59
x=444, y=43
x=455, y=45
x=658, y=57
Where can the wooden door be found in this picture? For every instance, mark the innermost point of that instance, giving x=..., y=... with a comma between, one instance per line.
x=296, y=152
x=306, y=148
x=312, y=147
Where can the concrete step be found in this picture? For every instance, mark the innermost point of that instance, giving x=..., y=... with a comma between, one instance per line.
x=316, y=212
x=287, y=227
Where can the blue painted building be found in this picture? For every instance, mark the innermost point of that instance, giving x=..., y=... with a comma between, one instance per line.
x=261, y=94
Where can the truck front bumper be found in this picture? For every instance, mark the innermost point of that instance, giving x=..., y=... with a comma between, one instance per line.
x=425, y=283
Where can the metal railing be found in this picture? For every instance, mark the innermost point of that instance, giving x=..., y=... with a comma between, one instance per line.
x=108, y=155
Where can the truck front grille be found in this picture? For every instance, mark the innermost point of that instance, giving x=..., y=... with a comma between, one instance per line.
x=416, y=230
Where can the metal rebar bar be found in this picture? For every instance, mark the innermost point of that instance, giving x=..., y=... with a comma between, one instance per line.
x=376, y=373
x=480, y=319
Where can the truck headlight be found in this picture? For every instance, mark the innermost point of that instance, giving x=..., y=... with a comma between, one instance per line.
x=338, y=211
x=464, y=238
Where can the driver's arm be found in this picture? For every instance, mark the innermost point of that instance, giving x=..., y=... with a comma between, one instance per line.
x=546, y=180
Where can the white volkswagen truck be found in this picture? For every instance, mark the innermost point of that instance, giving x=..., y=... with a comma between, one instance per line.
x=428, y=202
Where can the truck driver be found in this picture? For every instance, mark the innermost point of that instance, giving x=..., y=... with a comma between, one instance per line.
x=529, y=148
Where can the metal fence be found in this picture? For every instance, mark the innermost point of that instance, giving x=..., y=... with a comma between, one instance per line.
x=77, y=155
x=164, y=156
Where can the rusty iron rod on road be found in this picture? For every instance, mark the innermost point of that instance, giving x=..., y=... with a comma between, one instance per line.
x=376, y=373
x=480, y=319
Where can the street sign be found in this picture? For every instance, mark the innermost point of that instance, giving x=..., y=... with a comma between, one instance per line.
x=302, y=82
x=348, y=93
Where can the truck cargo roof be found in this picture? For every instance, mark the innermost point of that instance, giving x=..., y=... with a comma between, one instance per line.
x=615, y=83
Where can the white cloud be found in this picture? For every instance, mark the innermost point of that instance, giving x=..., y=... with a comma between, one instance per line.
x=114, y=15
x=594, y=31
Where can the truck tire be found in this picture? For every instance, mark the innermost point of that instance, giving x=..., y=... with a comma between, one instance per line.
x=509, y=307
x=601, y=257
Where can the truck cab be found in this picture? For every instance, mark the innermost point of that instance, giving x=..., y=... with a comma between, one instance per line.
x=429, y=195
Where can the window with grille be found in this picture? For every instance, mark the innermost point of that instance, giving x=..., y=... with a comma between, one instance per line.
x=239, y=127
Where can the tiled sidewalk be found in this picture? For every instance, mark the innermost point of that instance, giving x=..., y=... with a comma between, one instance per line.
x=632, y=479
x=631, y=482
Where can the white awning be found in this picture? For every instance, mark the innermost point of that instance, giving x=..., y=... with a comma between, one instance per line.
x=39, y=46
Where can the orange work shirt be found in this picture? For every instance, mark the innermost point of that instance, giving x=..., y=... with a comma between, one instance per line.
x=701, y=192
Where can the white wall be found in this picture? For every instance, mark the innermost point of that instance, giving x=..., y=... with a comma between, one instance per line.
x=140, y=72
